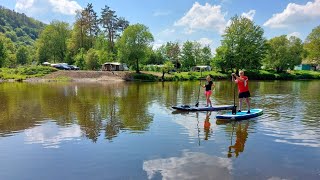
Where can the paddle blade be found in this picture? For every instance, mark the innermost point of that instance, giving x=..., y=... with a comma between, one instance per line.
x=197, y=104
x=234, y=110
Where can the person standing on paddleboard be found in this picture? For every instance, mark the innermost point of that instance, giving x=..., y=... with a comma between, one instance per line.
x=209, y=86
x=243, y=89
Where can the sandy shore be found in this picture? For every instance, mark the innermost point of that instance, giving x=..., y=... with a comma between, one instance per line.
x=83, y=76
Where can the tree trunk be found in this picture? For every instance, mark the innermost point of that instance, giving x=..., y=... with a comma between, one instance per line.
x=137, y=65
x=162, y=75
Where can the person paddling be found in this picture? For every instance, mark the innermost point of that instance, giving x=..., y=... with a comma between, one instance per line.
x=243, y=89
x=209, y=86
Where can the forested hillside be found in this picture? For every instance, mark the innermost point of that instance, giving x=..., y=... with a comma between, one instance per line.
x=18, y=27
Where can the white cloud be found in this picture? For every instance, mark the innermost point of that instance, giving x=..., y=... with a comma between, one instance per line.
x=24, y=4
x=207, y=17
x=249, y=14
x=205, y=41
x=65, y=6
x=203, y=166
x=296, y=34
x=295, y=14
x=36, y=7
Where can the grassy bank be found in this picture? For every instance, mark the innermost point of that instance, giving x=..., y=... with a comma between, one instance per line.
x=22, y=73
x=254, y=75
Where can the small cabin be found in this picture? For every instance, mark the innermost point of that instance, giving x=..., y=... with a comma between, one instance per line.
x=307, y=67
x=202, y=68
x=114, y=66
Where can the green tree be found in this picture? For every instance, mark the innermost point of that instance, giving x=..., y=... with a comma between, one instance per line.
x=2, y=53
x=312, y=45
x=156, y=57
x=22, y=55
x=172, y=52
x=9, y=58
x=90, y=19
x=223, y=59
x=244, y=44
x=112, y=25
x=80, y=61
x=166, y=68
x=283, y=53
x=133, y=44
x=53, y=42
x=205, y=56
x=187, y=55
x=92, y=60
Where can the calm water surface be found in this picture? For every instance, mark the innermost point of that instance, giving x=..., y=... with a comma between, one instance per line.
x=129, y=131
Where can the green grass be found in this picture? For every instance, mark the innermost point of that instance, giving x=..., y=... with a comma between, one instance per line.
x=143, y=77
x=183, y=76
x=253, y=75
x=24, y=72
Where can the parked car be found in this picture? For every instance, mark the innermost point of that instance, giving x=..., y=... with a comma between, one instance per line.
x=61, y=66
x=73, y=67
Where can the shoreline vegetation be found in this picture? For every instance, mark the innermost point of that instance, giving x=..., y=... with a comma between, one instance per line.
x=49, y=74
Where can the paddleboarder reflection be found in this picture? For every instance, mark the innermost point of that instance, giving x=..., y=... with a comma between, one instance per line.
x=207, y=125
x=241, y=138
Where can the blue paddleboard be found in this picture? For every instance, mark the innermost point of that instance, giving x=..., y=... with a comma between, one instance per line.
x=240, y=115
x=194, y=108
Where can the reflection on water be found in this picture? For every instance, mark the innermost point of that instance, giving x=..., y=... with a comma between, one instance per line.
x=108, y=128
x=51, y=136
x=191, y=165
x=241, y=138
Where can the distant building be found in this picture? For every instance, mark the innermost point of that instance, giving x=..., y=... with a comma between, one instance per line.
x=202, y=68
x=307, y=67
x=114, y=66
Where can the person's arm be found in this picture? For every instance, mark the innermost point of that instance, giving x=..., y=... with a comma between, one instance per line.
x=237, y=77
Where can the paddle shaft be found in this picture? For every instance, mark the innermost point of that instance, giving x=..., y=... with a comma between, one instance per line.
x=197, y=104
x=234, y=110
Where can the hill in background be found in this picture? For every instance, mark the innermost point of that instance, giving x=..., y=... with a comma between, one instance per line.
x=18, y=27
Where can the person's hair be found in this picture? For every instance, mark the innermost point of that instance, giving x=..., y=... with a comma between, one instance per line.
x=241, y=72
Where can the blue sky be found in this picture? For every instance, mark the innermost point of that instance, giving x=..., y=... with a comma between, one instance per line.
x=182, y=20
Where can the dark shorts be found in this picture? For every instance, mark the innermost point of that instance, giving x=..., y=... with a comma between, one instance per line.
x=244, y=94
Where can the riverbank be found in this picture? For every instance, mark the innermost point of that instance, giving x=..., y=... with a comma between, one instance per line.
x=48, y=74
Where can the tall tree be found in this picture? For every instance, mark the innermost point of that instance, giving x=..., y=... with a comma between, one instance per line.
x=112, y=25
x=172, y=53
x=205, y=56
x=52, y=43
x=312, y=45
x=2, y=53
x=244, y=43
x=22, y=55
x=8, y=52
x=90, y=19
x=283, y=53
x=134, y=43
x=187, y=55
x=92, y=60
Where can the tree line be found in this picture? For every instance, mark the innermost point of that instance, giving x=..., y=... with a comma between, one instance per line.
x=93, y=40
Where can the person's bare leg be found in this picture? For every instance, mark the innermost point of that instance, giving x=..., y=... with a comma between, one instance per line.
x=248, y=103
x=207, y=98
x=240, y=104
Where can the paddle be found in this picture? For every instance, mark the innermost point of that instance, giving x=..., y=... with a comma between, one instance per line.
x=197, y=104
x=234, y=109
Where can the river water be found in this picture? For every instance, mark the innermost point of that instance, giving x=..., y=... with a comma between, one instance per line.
x=129, y=131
